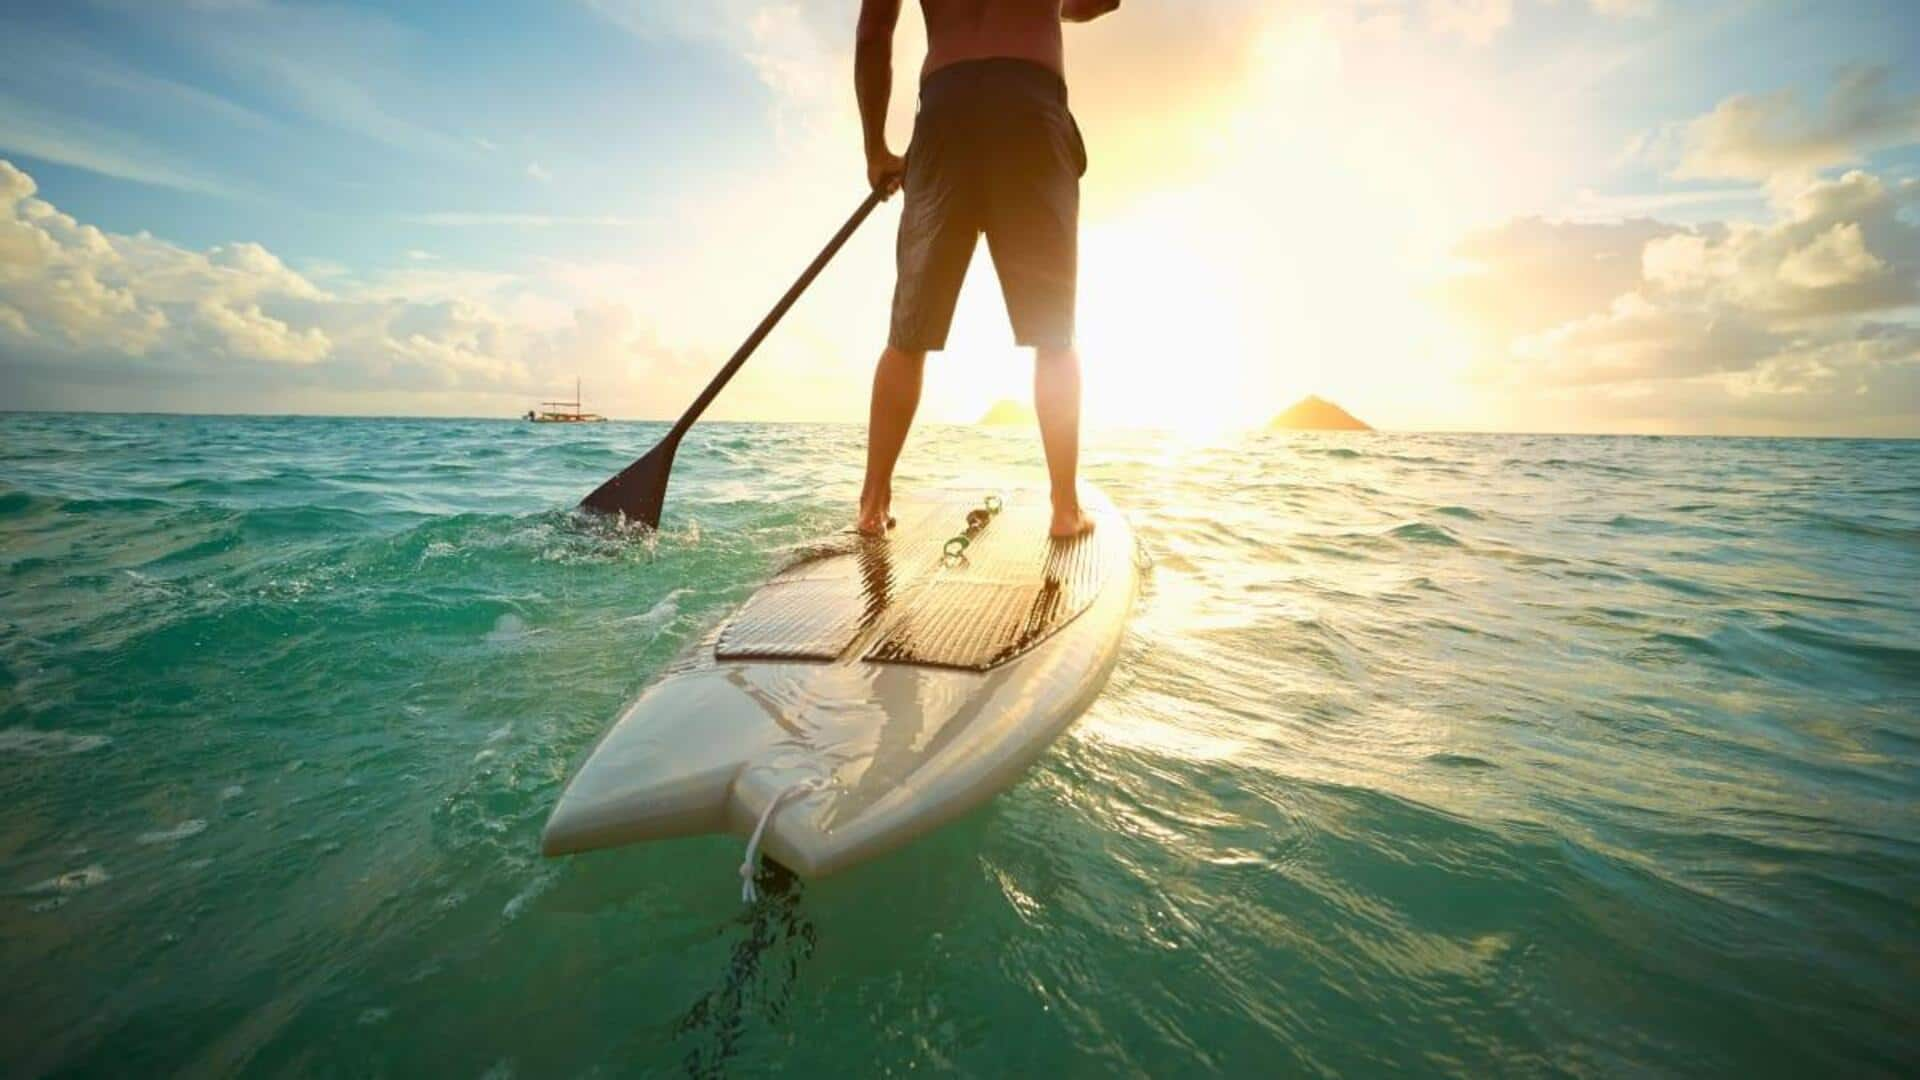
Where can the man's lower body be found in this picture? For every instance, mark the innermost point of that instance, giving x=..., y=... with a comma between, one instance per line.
x=996, y=152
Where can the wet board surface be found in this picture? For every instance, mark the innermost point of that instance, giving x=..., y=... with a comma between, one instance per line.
x=900, y=599
x=1012, y=588
x=815, y=607
x=870, y=691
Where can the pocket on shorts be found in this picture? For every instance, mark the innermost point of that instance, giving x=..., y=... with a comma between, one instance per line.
x=1079, y=144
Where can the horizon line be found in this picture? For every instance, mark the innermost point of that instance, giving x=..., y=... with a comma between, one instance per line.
x=1262, y=429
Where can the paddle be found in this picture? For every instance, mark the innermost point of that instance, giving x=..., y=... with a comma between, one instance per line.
x=640, y=489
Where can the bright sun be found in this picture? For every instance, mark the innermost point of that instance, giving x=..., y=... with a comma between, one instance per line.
x=1172, y=335
x=1166, y=332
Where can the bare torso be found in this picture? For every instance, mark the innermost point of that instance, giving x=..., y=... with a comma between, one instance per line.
x=982, y=29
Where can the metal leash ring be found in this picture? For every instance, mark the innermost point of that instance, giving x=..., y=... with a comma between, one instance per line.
x=954, y=551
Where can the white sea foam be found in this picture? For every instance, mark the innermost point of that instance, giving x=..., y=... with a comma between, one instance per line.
x=190, y=827
x=660, y=614
x=494, y=736
x=526, y=896
x=72, y=881
x=30, y=742
x=510, y=629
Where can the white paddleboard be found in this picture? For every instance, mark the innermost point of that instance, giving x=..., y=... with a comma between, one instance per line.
x=870, y=692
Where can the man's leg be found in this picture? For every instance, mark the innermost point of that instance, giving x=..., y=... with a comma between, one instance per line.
x=1031, y=216
x=1056, y=399
x=896, y=395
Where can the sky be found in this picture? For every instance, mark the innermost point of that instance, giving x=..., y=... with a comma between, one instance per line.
x=1672, y=216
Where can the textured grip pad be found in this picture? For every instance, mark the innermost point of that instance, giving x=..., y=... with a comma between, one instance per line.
x=830, y=594
x=1013, y=588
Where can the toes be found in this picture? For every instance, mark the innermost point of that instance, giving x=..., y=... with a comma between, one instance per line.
x=873, y=526
x=1080, y=527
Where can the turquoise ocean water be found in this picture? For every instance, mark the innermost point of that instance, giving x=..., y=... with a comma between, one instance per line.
x=1427, y=753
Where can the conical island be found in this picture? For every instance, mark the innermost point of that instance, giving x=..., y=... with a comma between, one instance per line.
x=1312, y=413
x=1006, y=412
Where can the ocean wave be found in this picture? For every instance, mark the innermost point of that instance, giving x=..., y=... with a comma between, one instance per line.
x=1421, y=532
x=1416, y=740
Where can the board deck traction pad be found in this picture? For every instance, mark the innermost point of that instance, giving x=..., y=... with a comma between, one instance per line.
x=898, y=599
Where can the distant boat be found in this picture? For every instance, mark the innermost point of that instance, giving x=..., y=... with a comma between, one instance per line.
x=564, y=412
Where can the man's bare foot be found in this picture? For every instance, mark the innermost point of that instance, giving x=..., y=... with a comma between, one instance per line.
x=1069, y=523
x=873, y=520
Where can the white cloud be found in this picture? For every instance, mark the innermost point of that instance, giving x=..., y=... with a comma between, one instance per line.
x=1530, y=275
x=1590, y=205
x=539, y=172
x=1636, y=339
x=241, y=331
x=1836, y=257
x=61, y=281
x=1864, y=383
x=1839, y=247
x=1759, y=136
x=1808, y=318
x=82, y=306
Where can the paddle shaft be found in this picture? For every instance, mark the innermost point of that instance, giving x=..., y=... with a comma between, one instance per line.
x=766, y=326
x=640, y=488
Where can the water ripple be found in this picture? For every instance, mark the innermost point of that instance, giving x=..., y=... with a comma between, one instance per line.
x=1427, y=753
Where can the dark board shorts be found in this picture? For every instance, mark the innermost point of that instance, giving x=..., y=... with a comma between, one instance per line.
x=994, y=151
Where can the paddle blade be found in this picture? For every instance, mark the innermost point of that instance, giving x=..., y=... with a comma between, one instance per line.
x=639, y=490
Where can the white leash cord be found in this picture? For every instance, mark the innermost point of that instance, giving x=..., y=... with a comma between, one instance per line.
x=749, y=894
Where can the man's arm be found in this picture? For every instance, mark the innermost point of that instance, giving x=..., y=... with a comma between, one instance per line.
x=873, y=85
x=1086, y=10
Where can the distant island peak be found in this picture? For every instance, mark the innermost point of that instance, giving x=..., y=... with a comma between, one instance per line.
x=1315, y=413
x=1007, y=412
